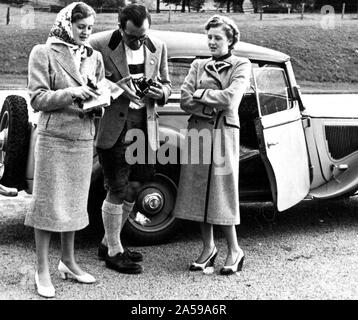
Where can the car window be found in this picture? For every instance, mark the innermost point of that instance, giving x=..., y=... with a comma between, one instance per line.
x=255, y=65
x=178, y=70
x=272, y=89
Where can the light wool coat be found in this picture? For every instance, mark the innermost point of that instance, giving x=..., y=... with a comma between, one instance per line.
x=209, y=189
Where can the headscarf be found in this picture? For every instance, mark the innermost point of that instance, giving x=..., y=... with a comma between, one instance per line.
x=61, y=32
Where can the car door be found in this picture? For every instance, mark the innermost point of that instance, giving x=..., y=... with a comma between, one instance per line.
x=332, y=140
x=281, y=137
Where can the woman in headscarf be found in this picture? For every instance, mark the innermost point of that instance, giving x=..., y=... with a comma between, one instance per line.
x=61, y=73
x=209, y=183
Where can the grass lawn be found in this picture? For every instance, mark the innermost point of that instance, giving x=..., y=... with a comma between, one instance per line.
x=318, y=55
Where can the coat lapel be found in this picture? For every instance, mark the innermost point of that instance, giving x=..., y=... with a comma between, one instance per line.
x=222, y=65
x=64, y=58
x=210, y=69
x=119, y=58
x=150, y=59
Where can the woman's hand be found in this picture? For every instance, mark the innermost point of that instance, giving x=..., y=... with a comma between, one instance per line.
x=83, y=93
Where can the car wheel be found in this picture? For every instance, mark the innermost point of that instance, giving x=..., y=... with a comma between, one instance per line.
x=155, y=200
x=14, y=142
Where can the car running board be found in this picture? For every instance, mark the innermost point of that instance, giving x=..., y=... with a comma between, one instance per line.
x=342, y=183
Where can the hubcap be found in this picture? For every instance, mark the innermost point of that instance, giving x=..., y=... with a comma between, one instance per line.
x=153, y=202
x=156, y=201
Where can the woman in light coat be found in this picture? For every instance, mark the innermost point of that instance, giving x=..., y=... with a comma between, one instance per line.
x=208, y=190
x=59, y=72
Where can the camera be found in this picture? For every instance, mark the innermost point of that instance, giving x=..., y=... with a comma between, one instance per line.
x=142, y=85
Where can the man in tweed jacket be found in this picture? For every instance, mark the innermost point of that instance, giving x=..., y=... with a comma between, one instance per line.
x=127, y=51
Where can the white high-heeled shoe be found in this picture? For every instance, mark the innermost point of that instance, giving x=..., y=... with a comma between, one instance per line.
x=66, y=273
x=207, y=266
x=47, y=292
x=236, y=267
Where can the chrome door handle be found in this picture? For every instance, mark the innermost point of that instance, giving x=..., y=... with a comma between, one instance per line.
x=269, y=145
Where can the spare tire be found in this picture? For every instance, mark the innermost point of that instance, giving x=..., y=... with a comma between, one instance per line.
x=14, y=142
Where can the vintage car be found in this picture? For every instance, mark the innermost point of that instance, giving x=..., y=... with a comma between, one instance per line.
x=290, y=150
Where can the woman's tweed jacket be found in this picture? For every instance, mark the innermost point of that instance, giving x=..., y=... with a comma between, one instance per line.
x=64, y=147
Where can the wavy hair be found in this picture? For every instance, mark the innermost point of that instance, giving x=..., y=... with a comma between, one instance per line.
x=231, y=30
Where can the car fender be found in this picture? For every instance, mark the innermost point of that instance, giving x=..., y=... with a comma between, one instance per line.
x=171, y=136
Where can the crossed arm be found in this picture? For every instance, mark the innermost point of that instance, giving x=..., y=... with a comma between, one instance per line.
x=205, y=102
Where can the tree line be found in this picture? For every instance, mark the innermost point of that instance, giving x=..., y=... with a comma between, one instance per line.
x=227, y=5
x=234, y=5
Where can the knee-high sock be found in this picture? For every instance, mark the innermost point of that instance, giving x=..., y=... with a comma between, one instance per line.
x=112, y=221
x=127, y=209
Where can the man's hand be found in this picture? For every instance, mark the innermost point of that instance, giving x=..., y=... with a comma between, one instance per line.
x=155, y=93
x=128, y=89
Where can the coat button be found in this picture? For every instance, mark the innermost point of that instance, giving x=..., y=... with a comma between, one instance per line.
x=121, y=114
x=151, y=61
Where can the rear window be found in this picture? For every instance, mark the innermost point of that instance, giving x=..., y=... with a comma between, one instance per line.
x=178, y=70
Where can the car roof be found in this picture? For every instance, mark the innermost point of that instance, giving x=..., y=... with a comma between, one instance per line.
x=178, y=45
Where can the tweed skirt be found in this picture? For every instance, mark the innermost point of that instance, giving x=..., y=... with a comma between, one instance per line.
x=61, y=183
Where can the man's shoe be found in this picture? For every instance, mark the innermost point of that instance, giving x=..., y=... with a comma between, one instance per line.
x=121, y=263
x=132, y=255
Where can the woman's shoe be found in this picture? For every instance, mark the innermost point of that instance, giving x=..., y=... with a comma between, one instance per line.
x=207, y=266
x=66, y=273
x=47, y=292
x=236, y=267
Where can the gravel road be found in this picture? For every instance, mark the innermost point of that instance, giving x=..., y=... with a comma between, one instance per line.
x=310, y=252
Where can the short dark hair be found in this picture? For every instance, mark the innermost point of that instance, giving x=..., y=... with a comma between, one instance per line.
x=136, y=13
x=82, y=11
x=231, y=30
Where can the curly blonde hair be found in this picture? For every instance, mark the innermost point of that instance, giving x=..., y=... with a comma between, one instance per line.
x=229, y=26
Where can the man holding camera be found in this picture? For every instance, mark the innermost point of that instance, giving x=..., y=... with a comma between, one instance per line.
x=128, y=52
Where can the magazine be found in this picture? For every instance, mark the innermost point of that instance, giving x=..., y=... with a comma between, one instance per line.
x=102, y=100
